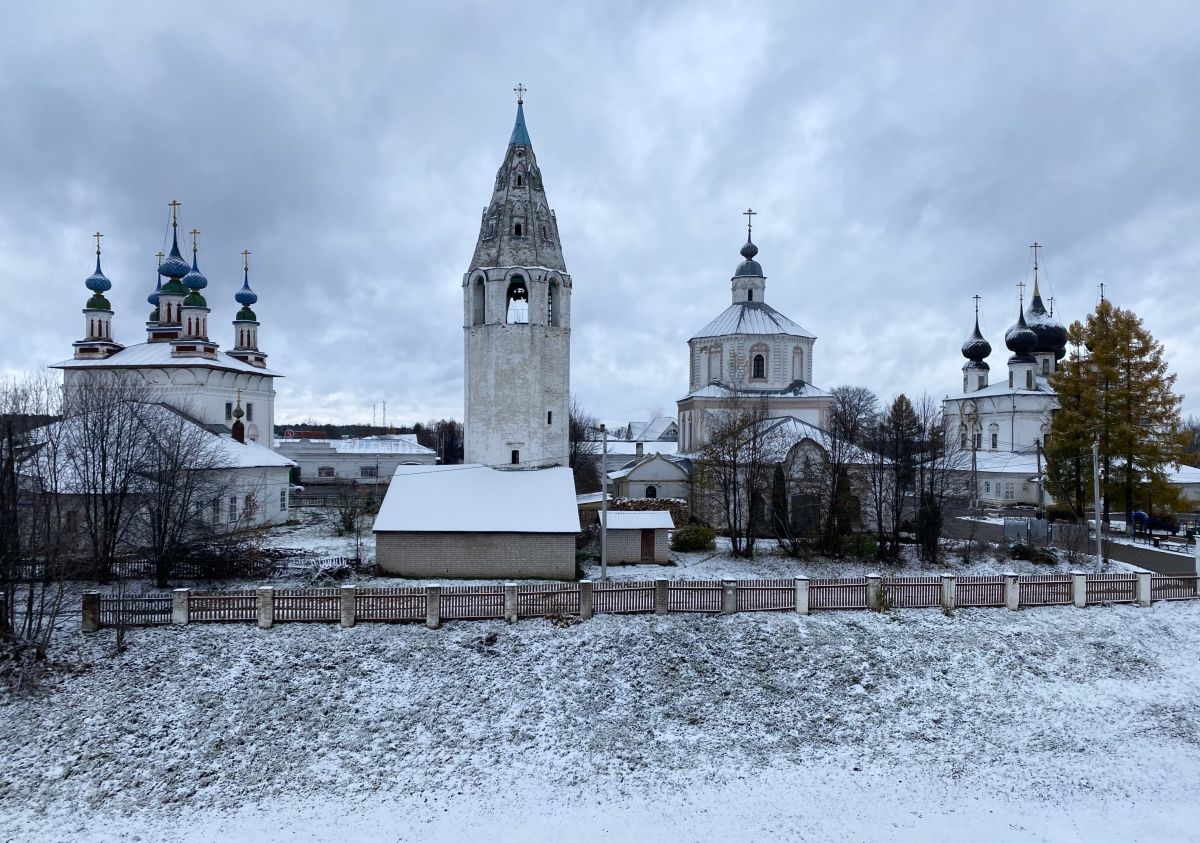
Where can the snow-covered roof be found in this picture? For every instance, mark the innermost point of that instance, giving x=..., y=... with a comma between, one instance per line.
x=1183, y=475
x=591, y=498
x=796, y=389
x=657, y=427
x=151, y=354
x=647, y=520
x=478, y=499
x=752, y=317
x=1041, y=387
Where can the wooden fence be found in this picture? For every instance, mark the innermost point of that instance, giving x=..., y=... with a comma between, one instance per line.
x=349, y=605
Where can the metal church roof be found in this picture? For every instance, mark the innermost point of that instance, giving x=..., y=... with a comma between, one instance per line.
x=752, y=317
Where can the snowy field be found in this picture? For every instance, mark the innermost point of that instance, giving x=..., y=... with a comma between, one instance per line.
x=1056, y=724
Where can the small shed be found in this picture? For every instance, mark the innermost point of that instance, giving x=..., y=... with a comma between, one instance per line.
x=639, y=536
x=478, y=522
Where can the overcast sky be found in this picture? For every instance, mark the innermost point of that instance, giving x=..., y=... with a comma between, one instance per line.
x=901, y=160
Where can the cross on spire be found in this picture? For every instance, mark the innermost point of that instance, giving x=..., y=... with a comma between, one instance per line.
x=1021, y=285
x=174, y=203
x=246, y=260
x=1051, y=300
x=520, y=92
x=97, y=235
x=195, y=232
x=1036, y=245
x=976, y=297
x=749, y=214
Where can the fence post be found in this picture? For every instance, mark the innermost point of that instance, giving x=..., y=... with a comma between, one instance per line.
x=179, y=606
x=728, y=597
x=802, y=595
x=874, y=592
x=266, y=607
x=1079, y=588
x=660, y=596
x=585, y=599
x=349, y=605
x=1143, y=588
x=510, y=602
x=1012, y=591
x=949, y=586
x=91, y=611
x=433, y=606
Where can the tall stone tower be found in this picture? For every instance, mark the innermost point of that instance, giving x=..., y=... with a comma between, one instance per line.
x=517, y=321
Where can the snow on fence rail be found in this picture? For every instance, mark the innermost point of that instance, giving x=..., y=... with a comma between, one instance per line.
x=348, y=605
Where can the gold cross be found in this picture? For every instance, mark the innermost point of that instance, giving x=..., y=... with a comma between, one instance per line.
x=246, y=259
x=97, y=235
x=174, y=208
x=749, y=214
x=1036, y=245
x=520, y=92
x=160, y=256
x=195, y=232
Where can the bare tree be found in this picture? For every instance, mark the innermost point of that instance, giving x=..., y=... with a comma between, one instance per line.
x=851, y=416
x=583, y=452
x=734, y=469
x=184, y=471
x=941, y=475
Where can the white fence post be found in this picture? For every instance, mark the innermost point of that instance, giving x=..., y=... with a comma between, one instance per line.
x=91, y=611
x=874, y=592
x=728, y=597
x=349, y=605
x=1143, y=588
x=1012, y=591
x=1079, y=589
x=660, y=596
x=949, y=586
x=266, y=607
x=802, y=607
x=510, y=602
x=585, y=599
x=433, y=606
x=179, y=606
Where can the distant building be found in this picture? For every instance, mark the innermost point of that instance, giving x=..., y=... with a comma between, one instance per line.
x=367, y=461
x=653, y=476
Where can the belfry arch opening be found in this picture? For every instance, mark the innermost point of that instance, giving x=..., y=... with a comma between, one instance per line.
x=477, y=305
x=553, y=304
x=517, y=302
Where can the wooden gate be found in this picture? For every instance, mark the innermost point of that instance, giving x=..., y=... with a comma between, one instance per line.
x=647, y=545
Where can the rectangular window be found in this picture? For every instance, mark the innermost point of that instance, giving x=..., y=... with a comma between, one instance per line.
x=549, y=417
x=228, y=410
x=980, y=382
x=987, y=487
x=249, y=412
x=232, y=508
x=995, y=440
x=216, y=510
x=368, y=471
x=283, y=500
x=325, y=471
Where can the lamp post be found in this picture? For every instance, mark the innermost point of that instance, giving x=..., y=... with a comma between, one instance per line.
x=604, y=504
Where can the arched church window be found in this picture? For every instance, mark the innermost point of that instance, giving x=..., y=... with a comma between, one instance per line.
x=994, y=435
x=516, y=457
x=798, y=364
x=1029, y=378
x=517, y=302
x=760, y=366
x=1045, y=365
x=477, y=302
x=749, y=295
x=517, y=229
x=652, y=491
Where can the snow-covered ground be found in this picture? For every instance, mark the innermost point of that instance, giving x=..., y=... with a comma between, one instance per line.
x=1056, y=724
x=769, y=562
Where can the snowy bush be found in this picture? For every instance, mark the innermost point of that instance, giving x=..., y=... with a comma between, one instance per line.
x=693, y=537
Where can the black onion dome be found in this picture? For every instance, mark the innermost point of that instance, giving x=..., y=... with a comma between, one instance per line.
x=749, y=266
x=1021, y=341
x=976, y=348
x=1051, y=334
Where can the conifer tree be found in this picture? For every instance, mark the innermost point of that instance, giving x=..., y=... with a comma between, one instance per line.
x=1069, y=447
x=1121, y=395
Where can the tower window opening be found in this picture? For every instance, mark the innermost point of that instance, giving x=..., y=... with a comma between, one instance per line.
x=520, y=181
x=517, y=229
x=516, y=457
x=1029, y=379
x=477, y=302
x=552, y=305
x=517, y=302
x=1045, y=365
x=544, y=232
x=549, y=417
x=749, y=295
x=760, y=366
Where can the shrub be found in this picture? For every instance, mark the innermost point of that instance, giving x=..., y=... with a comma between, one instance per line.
x=693, y=537
x=1032, y=553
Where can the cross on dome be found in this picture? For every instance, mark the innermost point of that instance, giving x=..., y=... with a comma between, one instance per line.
x=520, y=92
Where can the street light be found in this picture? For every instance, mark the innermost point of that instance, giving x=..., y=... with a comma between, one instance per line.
x=604, y=504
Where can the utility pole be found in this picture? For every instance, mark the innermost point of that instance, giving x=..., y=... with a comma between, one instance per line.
x=604, y=505
x=1096, y=494
x=1041, y=498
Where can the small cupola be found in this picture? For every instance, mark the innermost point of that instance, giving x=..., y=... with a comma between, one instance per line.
x=749, y=283
x=245, y=322
x=97, y=342
x=976, y=349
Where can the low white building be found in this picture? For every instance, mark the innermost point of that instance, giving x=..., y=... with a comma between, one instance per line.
x=477, y=522
x=365, y=461
x=639, y=536
x=653, y=476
